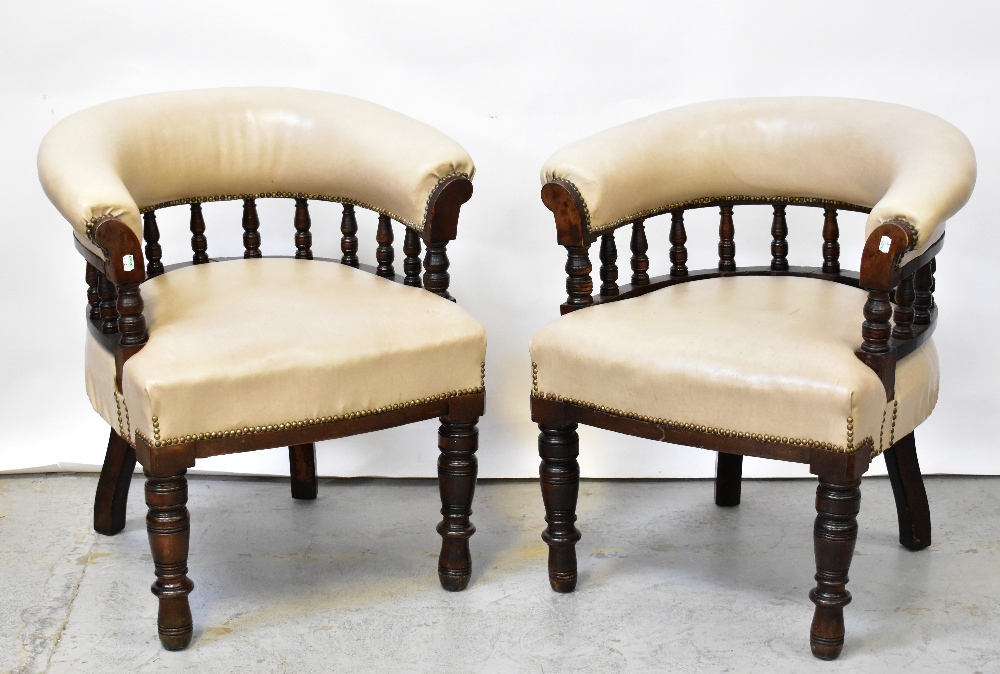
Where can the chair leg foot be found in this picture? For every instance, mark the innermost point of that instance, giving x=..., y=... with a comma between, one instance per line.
x=560, y=479
x=457, y=470
x=169, y=529
x=912, y=508
x=728, y=478
x=834, y=535
x=111, y=499
x=302, y=467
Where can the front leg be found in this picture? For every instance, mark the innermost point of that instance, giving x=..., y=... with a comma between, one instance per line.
x=834, y=535
x=169, y=528
x=457, y=469
x=560, y=477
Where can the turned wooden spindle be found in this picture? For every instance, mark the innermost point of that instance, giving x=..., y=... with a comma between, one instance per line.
x=384, y=254
x=834, y=535
x=609, y=270
x=154, y=252
x=923, y=300
x=93, y=295
x=457, y=469
x=831, y=244
x=168, y=525
x=933, y=265
x=678, y=237
x=436, y=277
x=131, y=322
x=108, y=294
x=199, y=244
x=349, y=240
x=779, y=244
x=579, y=284
x=251, y=230
x=411, y=263
x=560, y=477
x=639, y=261
x=727, y=246
x=303, y=237
x=903, y=315
x=875, y=330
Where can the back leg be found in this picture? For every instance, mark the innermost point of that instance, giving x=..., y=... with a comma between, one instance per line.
x=112, y=487
x=728, y=475
x=302, y=464
x=911, y=498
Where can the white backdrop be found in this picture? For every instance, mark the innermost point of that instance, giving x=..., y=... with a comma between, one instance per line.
x=511, y=81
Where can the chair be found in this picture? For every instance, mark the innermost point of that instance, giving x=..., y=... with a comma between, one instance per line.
x=223, y=355
x=816, y=365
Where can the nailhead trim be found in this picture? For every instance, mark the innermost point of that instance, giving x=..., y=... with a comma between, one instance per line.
x=253, y=430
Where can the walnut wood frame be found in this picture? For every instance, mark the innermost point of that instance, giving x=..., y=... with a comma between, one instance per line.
x=887, y=279
x=114, y=316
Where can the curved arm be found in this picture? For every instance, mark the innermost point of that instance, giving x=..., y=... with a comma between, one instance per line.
x=567, y=205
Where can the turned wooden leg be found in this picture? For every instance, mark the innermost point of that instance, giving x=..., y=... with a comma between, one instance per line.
x=836, y=530
x=560, y=478
x=302, y=465
x=457, y=469
x=169, y=529
x=728, y=475
x=911, y=498
x=112, y=487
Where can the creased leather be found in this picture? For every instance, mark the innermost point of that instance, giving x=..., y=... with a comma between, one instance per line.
x=118, y=157
x=766, y=355
x=256, y=342
x=898, y=161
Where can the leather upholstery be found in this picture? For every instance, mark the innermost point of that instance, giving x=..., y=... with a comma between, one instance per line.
x=249, y=343
x=761, y=355
x=118, y=157
x=900, y=162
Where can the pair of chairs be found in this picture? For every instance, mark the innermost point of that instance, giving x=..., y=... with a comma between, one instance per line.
x=816, y=365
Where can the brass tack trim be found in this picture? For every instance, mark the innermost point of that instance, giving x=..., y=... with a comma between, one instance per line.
x=681, y=425
x=253, y=430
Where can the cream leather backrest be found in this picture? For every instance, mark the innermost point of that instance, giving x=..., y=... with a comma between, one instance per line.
x=898, y=161
x=119, y=157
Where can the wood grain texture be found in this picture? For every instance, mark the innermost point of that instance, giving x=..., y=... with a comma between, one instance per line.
x=559, y=473
x=458, y=440
x=609, y=270
x=169, y=528
x=111, y=499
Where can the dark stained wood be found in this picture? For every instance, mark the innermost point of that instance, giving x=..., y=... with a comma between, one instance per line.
x=883, y=251
x=154, y=252
x=131, y=322
x=779, y=244
x=834, y=535
x=303, y=237
x=559, y=472
x=111, y=499
x=108, y=295
x=875, y=350
x=251, y=230
x=384, y=254
x=831, y=241
x=639, y=261
x=609, y=270
x=412, y=263
x=302, y=468
x=903, y=314
x=443, y=209
x=579, y=284
x=728, y=478
x=169, y=528
x=922, y=297
x=199, y=243
x=93, y=278
x=678, y=239
x=436, y=277
x=912, y=508
x=572, y=225
x=458, y=440
x=349, y=239
x=727, y=245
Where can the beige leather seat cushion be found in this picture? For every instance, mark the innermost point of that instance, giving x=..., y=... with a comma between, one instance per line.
x=900, y=162
x=772, y=356
x=118, y=157
x=249, y=343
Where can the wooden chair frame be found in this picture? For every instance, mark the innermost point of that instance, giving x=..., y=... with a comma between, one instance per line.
x=115, y=318
x=901, y=293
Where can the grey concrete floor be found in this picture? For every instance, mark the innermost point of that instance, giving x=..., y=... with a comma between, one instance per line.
x=669, y=582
